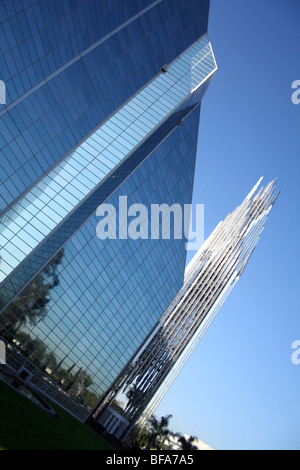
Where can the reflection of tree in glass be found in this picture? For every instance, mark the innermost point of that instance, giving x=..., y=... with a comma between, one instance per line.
x=134, y=396
x=35, y=350
x=31, y=304
x=77, y=385
x=30, y=307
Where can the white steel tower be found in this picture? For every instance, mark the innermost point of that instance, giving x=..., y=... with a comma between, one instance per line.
x=209, y=279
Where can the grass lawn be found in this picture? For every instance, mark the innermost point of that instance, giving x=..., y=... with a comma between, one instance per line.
x=25, y=426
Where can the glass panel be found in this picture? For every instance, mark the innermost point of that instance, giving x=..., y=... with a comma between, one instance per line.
x=50, y=200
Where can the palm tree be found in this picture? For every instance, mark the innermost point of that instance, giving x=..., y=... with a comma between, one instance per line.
x=158, y=432
x=186, y=444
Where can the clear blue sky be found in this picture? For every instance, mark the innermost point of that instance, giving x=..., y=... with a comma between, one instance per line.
x=240, y=390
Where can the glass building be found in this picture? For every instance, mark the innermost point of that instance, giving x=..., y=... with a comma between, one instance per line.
x=102, y=101
x=209, y=279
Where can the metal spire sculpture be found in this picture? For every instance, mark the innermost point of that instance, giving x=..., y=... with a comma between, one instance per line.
x=210, y=277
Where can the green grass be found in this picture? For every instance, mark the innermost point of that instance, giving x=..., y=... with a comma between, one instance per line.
x=24, y=426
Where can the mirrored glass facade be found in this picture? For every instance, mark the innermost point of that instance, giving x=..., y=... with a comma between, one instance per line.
x=102, y=101
x=50, y=201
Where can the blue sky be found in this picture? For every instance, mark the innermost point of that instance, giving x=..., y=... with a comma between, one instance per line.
x=240, y=389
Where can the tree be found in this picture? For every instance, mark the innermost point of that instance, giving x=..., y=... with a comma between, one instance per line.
x=157, y=432
x=186, y=444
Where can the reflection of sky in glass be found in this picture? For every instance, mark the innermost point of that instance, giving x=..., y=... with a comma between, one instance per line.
x=47, y=204
x=100, y=327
